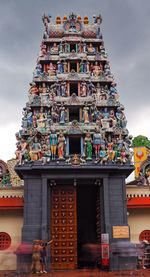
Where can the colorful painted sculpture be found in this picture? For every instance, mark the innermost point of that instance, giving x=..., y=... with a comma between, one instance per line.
x=72, y=91
x=88, y=146
x=53, y=143
x=97, y=142
x=61, y=145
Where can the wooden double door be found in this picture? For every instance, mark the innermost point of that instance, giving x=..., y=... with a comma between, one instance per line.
x=63, y=227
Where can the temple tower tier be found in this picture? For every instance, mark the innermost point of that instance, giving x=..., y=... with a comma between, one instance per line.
x=73, y=148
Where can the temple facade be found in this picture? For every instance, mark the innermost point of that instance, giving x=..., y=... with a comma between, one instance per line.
x=73, y=148
x=11, y=214
x=138, y=192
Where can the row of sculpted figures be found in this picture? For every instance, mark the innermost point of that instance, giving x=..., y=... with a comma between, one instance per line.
x=45, y=117
x=75, y=25
x=43, y=93
x=65, y=48
x=94, y=69
x=95, y=147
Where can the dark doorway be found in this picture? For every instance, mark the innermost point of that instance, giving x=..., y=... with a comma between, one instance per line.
x=74, y=145
x=74, y=88
x=86, y=224
x=72, y=47
x=73, y=66
x=74, y=114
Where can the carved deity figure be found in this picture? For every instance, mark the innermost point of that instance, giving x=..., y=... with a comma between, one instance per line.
x=44, y=95
x=53, y=143
x=90, y=88
x=61, y=145
x=121, y=119
x=86, y=114
x=62, y=114
x=91, y=49
x=113, y=91
x=80, y=47
x=21, y=150
x=35, y=150
x=88, y=146
x=103, y=155
x=41, y=119
x=60, y=68
x=55, y=113
x=38, y=71
x=97, y=69
x=83, y=90
x=65, y=66
x=51, y=70
x=33, y=92
x=63, y=89
x=110, y=150
x=97, y=142
x=54, y=48
x=42, y=50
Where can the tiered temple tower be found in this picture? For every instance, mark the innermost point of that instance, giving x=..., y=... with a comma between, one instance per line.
x=73, y=147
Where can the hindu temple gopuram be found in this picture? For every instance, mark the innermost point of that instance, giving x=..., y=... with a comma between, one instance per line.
x=73, y=148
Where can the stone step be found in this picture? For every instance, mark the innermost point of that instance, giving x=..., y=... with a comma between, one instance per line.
x=80, y=273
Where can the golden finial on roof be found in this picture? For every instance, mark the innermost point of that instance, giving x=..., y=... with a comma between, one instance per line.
x=79, y=18
x=86, y=20
x=58, y=20
x=65, y=18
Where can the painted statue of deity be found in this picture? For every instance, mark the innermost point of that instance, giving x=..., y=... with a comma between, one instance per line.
x=113, y=91
x=66, y=47
x=112, y=117
x=80, y=47
x=61, y=47
x=110, y=150
x=35, y=151
x=103, y=155
x=81, y=68
x=65, y=66
x=88, y=146
x=55, y=113
x=91, y=49
x=42, y=50
x=60, y=67
x=44, y=95
x=97, y=142
x=21, y=150
x=107, y=70
x=38, y=71
x=61, y=145
x=84, y=47
x=54, y=48
x=62, y=114
x=97, y=69
x=51, y=70
x=53, y=144
x=103, y=95
x=56, y=88
x=121, y=118
x=63, y=89
x=83, y=89
x=41, y=120
x=33, y=92
x=86, y=114
x=24, y=124
x=90, y=88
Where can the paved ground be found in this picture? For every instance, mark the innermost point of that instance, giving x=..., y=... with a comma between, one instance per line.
x=82, y=273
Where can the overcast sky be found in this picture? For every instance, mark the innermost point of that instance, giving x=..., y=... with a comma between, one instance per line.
x=126, y=33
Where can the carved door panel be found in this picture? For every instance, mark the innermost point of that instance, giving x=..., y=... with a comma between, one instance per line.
x=63, y=227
